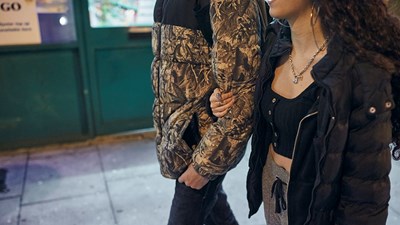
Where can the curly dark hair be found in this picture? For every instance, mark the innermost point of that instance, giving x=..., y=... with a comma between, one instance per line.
x=365, y=27
x=369, y=30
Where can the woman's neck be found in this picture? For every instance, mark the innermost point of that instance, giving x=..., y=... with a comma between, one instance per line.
x=305, y=36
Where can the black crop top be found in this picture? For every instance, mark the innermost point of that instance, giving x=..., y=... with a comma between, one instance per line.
x=284, y=116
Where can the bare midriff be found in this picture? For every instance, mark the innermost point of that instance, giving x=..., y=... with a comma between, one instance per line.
x=280, y=160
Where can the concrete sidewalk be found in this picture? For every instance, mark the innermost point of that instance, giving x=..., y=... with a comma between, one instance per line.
x=114, y=182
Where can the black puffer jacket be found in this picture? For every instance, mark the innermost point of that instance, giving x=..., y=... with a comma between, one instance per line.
x=341, y=160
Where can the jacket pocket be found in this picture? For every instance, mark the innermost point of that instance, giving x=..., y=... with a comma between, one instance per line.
x=176, y=147
x=192, y=133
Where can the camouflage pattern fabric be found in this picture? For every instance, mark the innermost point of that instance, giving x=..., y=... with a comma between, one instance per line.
x=185, y=69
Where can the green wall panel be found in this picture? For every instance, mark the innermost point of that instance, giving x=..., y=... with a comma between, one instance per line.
x=124, y=88
x=40, y=97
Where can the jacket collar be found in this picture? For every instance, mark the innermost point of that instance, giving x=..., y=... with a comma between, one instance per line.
x=327, y=64
x=283, y=44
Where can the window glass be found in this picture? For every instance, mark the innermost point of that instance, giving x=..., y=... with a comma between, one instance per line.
x=56, y=20
x=121, y=13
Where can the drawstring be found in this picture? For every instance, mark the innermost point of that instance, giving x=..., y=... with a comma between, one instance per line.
x=277, y=190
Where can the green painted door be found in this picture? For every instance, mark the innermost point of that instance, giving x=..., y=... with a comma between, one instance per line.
x=118, y=66
x=41, y=98
x=41, y=85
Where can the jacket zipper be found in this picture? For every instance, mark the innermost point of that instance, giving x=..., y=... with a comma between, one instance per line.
x=331, y=124
x=298, y=131
x=294, y=150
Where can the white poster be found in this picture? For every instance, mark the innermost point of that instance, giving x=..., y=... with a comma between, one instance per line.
x=19, y=23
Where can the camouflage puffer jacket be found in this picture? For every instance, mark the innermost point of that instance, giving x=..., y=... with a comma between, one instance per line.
x=185, y=70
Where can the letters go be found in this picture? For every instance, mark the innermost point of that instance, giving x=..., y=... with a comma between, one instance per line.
x=7, y=6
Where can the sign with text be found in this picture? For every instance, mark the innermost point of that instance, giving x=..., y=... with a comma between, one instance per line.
x=19, y=23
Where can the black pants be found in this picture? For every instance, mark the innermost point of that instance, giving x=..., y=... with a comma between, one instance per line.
x=208, y=205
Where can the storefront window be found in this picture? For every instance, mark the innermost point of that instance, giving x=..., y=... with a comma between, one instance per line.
x=121, y=13
x=56, y=20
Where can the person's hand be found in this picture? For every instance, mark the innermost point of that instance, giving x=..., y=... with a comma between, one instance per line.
x=192, y=179
x=221, y=103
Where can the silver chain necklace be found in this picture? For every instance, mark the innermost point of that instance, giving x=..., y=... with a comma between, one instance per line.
x=299, y=76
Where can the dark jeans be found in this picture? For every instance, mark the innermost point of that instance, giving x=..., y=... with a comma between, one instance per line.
x=208, y=205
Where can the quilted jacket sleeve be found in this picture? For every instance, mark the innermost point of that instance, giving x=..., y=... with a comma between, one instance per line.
x=235, y=60
x=365, y=187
